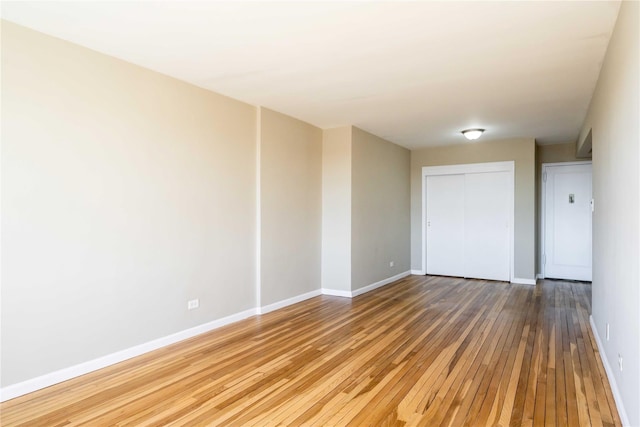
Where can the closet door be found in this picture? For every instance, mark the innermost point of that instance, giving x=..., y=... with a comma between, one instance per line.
x=486, y=225
x=445, y=225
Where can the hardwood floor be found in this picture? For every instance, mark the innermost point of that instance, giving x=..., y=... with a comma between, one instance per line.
x=425, y=351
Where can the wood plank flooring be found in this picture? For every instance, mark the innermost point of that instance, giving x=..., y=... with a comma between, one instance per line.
x=424, y=351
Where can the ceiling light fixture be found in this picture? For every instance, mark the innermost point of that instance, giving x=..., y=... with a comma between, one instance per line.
x=472, y=134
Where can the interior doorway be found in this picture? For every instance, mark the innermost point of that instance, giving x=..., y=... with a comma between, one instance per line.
x=566, y=221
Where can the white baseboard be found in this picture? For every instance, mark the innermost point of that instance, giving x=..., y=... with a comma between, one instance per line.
x=31, y=385
x=289, y=301
x=351, y=294
x=520, y=281
x=65, y=374
x=336, y=293
x=612, y=380
x=380, y=284
x=418, y=272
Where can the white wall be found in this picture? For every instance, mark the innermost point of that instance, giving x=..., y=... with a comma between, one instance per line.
x=613, y=118
x=290, y=207
x=125, y=193
x=336, y=209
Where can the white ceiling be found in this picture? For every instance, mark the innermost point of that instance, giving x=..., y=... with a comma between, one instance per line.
x=415, y=73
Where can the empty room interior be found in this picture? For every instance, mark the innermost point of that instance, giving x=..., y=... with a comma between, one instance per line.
x=320, y=213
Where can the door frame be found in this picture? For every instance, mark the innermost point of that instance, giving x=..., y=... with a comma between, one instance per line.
x=507, y=166
x=543, y=208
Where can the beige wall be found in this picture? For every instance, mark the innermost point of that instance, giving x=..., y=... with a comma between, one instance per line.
x=365, y=209
x=522, y=151
x=613, y=120
x=556, y=153
x=380, y=226
x=290, y=206
x=336, y=209
x=125, y=193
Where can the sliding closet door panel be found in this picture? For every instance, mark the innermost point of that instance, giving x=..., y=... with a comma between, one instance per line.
x=445, y=225
x=487, y=225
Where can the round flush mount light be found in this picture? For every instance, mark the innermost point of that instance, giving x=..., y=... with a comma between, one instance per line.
x=472, y=134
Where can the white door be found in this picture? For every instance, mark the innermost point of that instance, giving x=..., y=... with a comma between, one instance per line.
x=487, y=225
x=567, y=222
x=467, y=223
x=445, y=225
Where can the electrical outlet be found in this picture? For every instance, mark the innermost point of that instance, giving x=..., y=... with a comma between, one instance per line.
x=620, y=361
x=391, y=264
x=607, y=333
x=193, y=304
